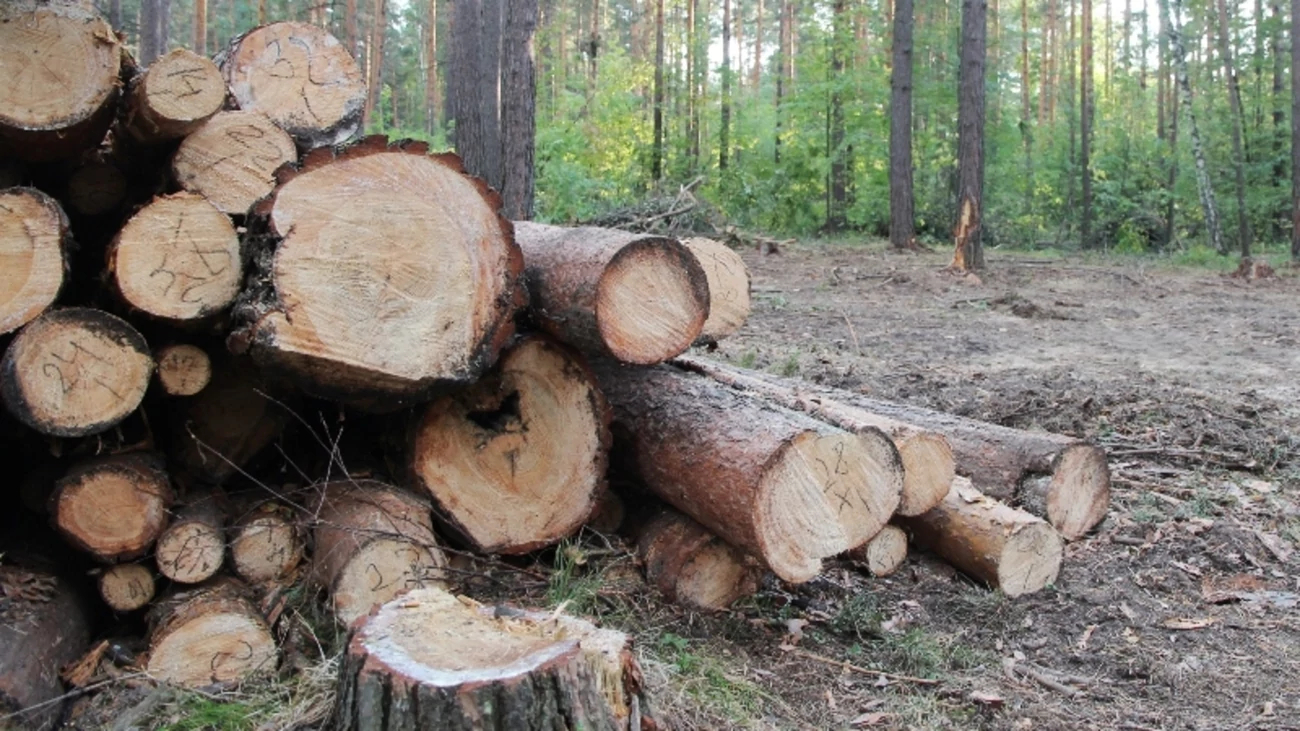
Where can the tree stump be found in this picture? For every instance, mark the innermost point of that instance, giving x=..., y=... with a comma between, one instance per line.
x=691, y=566
x=127, y=587
x=183, y=370
x=34, y=240
x=43, y=626
x=192, y=549
x=113, y=508
x=728, y=279
x=884, y=553
x=265, y=543
x=178, y=93
x=231, y=159
x=209, y=635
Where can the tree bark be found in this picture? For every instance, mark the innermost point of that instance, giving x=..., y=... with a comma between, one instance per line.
x=209, y=635
x=1026, y=132
x=350, y=35
x=1085, y=123
x=724, y=134
x=902, y=232
x=1238, y=123
x=691, y=566
x=37, y=239
x=200, y=45
x=432, y=95
x=193, y=547
x=884, y=554
x=43, y=626
x=178, y=93
x=113, y=508
x=657, y=153
x=474, y=87
x=1295, y=131
x=1203, y=183
x=231, y=159
x=837, y=193
x=728, y=280
x=375, y=69
x=968, y=249
x=518, y=109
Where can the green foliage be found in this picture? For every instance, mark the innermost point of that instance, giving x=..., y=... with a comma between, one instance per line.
x=195, y=712
x=708, y=681
x=573, y=582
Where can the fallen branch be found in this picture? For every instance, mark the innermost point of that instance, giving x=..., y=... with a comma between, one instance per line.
x=859, y=669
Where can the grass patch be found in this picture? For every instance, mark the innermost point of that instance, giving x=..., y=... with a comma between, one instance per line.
x=704, y=680
x=859, y=617
x=747, y=359
x=573, y=582
x=193, y=712
x=789, y=367
x=923, y=654
x=1147, y=510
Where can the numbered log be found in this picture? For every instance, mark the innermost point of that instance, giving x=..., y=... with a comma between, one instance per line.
x=516, y=461
x=75, y=371
x=884, y=553
x=127, y=587
x=209, y=635
x=217, y=432
x=43, y=626
x=301, y=77
x=266, y=543
x=179, y=92
x=691, y=566
x=34, y=241
x=372, y=542
x=394, y=275
x=59, y=68
x=728, y=279
x=782, y=486
x=640, y=299
x=177, y=259
x=1007, y=548
x=231, y=159
x=183, y=370
x=432, y=660
x=113, y=508
x=193, y=547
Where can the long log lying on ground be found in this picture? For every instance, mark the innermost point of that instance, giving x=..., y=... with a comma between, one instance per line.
x=34, y=241
x=1008, y=548
x=179, y=92
x=394, y=274
x=231, y=159
x=193, y=547
x=884, y=553
x=515, y=462
x=691, y=566
x=43, y=626
x=209, y=635
x=113, y=508
x=784, y=487
x=928, y=465
x=434, y=660
x=728, y=278
x=640, y=299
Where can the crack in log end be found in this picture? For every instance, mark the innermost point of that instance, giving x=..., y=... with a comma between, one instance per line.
x=505, y=418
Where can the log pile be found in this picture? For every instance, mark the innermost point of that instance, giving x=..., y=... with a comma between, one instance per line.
x=196, y=253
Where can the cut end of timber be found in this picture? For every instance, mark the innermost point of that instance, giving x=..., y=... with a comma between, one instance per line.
x=210, y=635
x=127, y=587
x=190, y=552
x=183, y=370
x=728, y=277
x=1031, y=559
x=265, y=547
x=179, y=92
x=1078, y=497
x=884, y=553
x=928, y=469
x=32, y=232
x=114, y=508
x=717, y=576
x=231, y=159
x=379, y=571
x=652, y=301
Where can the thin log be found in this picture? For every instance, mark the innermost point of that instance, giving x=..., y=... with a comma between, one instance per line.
x=728, y=277
x=266, y=543
x=884, y=554
x=193, y=547
x=691, y=566
x=126, y=587
x=231, y=159
x=177, y=94
x=183, y=369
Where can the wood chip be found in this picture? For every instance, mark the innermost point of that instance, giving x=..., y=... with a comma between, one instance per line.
x=1189, y=623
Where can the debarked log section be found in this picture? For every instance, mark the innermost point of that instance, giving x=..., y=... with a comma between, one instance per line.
x=209, y=635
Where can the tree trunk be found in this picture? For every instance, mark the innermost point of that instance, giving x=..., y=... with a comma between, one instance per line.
x=885, y=553
x=126, y=587
x=266, y=543
x=192, y=549
x=1295, y=131
x=757, y=73
x=518, y=109
x=516, y=461
x=200, y=45
x=149, y=46
x=837, y=193
x=43, y=626
x=1238, y=123
x=728, y=280
x=375, y=69
x=724, y=134
x=1163, y=87
x=1026, y=133
x=657, y=153
x=350, y=35
x=902, y=232
x=232, y=158
x=641, y=299
x=424, y=302
x=1085, y=123
x=183, y=370
x=37, y=242
x=209, y=635
x=775, y=483
x=178, y=93
x=785, y=49
x=691, y=566
x=432, y=97
x=302, y=79
x=1277, y=137
x=474, y=81
x=968, y=249
x=113, y=508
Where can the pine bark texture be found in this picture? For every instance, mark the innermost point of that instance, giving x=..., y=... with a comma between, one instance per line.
x=518, y=109
x=968, y=251
x=43, y=626
x=693, y=567
x=901, y=203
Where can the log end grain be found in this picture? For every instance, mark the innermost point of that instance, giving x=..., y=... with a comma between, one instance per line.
x=190, y=552
x=884, y=553
x=652, y=301
x=231, y=159
x=691, y=566
x=210, y=635
x=179, y=92
x=127, y=587
x=113, y=508
x=729, y=296
x=928, y=469
x=33, y=237
x=183, y=370
x=1078, y=496
x=266, y=544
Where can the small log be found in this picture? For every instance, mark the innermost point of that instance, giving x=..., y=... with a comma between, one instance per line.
x=884, y=553
x=691, y=566
x=219, y=430
x=265, y=543
x=928, y=464
x=96, y=187
x=35, y=236
x=75, y=371
x=301, y=77
x=59, y=68
x=394, y=275
x=372, y=542
x=113, y=508
x=231, y=159
x=192, y=549
x=178, y=93
x=609, y=512
x=126, y=587
x=1007, y=548
x=209, y=635
x=177, y=259
x=183, y=370
x=778, y=484
x=640, y=299
x=516, y=461
x=431, y=660
x=728, y=278
x=43, y=626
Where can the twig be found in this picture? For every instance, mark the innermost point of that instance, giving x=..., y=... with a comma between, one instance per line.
x=1047, y=681
x=857, y=347
x=859, y=669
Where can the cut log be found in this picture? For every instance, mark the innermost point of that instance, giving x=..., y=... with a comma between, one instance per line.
x=265, y=543
x=95, y=188
x=177, y=259
x=395, y=274
x=75, y=371
x=928, y=464
x=59, y=67
x=640, y=299
x=113, y=508
x=178, y=93
x=516, y=461
x=192, y=549
x=884, y=553
x=782, y=486
x=34, y=241
x=183, y=370
x=301, y=77
x=372, y=542
x=209, y=635
x=219, y=430
x=1008, y=548
x=728, y=288
x=691, y=566
x=231, y=159
x=43, y=626
x=433, y=660
x=608, y=514
x=127, y=587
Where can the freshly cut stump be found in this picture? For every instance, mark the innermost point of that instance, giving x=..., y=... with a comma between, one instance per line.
x=431, y=660
x=394, y=275
x=177, y=259
x=689, y=565
x=127, y=587
x=265, y=543
x=728, y=288
x=640, y=299
x=372, y=542
x=782, y=486
x=96, y=187
x=884, y=553
x=179, y=92
x=231, y=159
x=59, y=66
x=75, y=371
x=928, y=464
x=301, y=77
x=225, y=425
x=183, y=370
x=113, y=508
x=34, y=239
x=516, y=461
x=1007, y=548
x=192, y=549
x=209, y=635
x=43, y=627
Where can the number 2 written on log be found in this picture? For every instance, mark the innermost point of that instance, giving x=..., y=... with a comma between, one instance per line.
x=72, y=370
